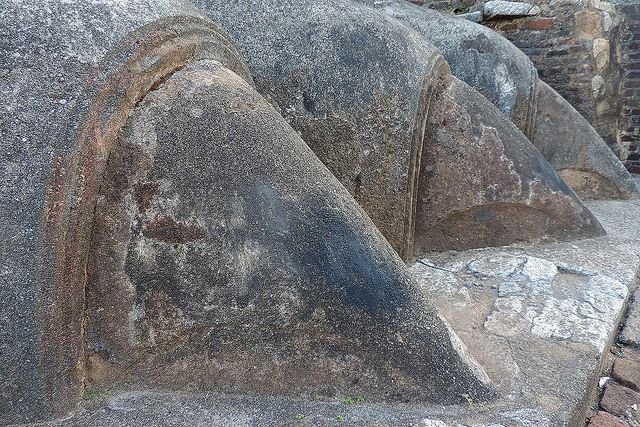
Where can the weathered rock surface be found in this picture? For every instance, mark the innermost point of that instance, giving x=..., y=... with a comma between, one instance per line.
x=356, y=86
x=501, y=72
x=541, y=319
x=573, y=147
x=237, y=262
x=369, y=95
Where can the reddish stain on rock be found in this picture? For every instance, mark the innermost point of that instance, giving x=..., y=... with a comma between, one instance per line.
x=539, y=24
x=168, y=230
x=144, y=193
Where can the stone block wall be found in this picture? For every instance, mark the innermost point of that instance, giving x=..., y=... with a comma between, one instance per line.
x=629, y=56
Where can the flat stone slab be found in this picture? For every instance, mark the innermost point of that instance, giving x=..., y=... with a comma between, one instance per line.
x=540, y=319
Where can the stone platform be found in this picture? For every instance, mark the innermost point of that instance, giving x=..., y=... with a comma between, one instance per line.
x=541, y=320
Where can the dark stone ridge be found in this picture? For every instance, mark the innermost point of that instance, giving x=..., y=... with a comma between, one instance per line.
x=519, y=198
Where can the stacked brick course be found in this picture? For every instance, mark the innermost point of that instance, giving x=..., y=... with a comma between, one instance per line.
x=630, y=87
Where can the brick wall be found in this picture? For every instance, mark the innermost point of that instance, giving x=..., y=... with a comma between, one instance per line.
x=629, y=57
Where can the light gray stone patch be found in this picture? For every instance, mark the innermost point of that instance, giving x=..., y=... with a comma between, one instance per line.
x=510, y=317
x=472, y=16
x=509, y=288
x=511, y=266
x=505, y=85
x=499, y=266
x=598, y=87
x=536, y=303
x=501, y=9
x=433, y=423
x=536, y=269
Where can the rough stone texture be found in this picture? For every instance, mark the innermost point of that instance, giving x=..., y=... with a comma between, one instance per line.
x=364, y=114
x=563, y=43
x=461, y=206
x=478, y=56
x=501, y=72
x=355, y=84
x=63, y=98
x=114, y=230
x=604, y=419
x=601, y=54
x=237, y=262
x=575, y=43
x=621, y=402
x=628, y=53
x=572, y=43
